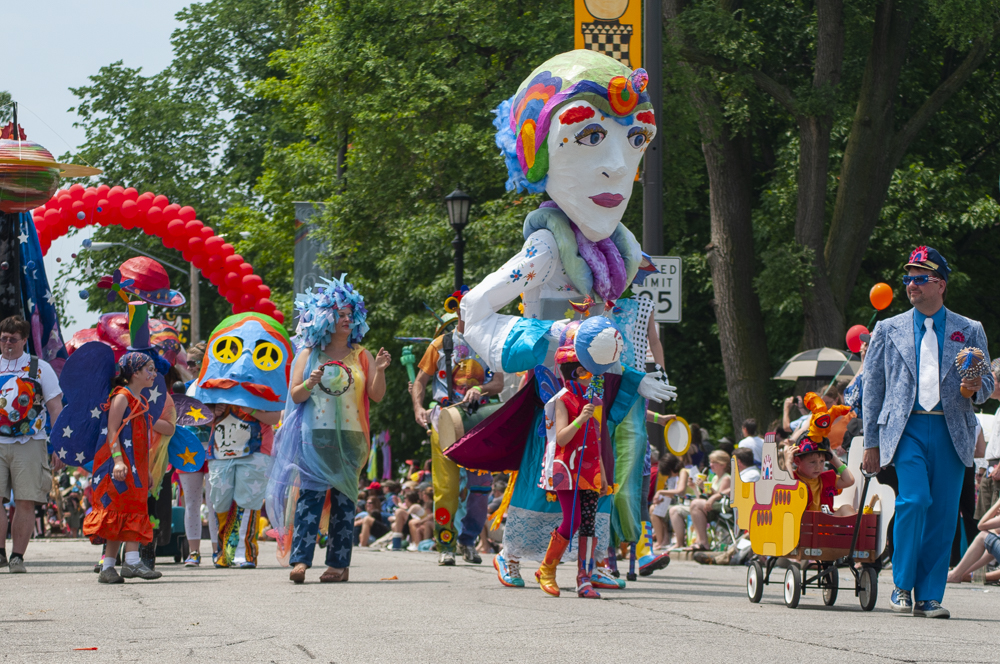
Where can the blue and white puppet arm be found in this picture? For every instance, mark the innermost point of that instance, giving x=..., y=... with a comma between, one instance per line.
x=487, y=331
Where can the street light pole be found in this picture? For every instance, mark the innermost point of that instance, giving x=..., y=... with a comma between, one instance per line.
x=458, y=203
x=195, y=301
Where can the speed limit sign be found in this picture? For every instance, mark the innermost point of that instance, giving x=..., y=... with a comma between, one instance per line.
x=664, y=289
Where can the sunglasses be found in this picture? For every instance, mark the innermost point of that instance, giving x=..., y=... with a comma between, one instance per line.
x=919, y=280
x=10, y=340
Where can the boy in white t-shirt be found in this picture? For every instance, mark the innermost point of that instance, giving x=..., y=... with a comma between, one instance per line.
x=752, y=440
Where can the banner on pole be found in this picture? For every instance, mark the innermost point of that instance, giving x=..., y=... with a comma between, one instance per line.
x=611, y=27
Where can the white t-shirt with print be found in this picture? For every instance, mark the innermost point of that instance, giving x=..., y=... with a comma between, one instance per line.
x=47, y=379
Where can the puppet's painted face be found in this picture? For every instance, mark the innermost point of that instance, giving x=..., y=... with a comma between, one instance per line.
x=247, y=364
x=593, y=159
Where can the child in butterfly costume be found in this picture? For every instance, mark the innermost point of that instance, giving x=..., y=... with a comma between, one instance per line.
x=244, y=377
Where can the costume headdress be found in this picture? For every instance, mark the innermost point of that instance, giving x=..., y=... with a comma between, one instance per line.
x=318, y=311
x=132, y=362
x=822, y=419
x=454, y=301
x=929, y=259
x=523, y=121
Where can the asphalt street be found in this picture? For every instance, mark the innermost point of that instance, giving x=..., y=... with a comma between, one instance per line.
x=402, y=607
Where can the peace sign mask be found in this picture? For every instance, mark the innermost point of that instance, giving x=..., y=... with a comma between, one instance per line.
x=247, y=363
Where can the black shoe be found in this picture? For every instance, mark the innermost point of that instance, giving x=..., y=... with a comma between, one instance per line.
x=110, y=575
x=3, y=560
x=470, y=555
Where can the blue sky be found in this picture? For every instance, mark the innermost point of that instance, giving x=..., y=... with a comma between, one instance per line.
x=56, y=45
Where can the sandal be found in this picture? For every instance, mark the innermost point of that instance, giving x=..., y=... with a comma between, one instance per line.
x=298, y=573
x=335, y=577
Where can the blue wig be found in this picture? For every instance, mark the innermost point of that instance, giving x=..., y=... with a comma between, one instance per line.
x=318, y=311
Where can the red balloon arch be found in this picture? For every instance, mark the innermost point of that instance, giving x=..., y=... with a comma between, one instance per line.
x=177, y=227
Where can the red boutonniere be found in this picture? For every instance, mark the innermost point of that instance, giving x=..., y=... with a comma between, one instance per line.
x=958, y=336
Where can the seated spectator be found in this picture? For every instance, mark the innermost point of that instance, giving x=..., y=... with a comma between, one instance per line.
x=369, y=525
x=752, y=440
x=676, y=476
x=704, y=510
x=390, y=498
x=744, y=463
x=422, y=528
x=984, y=549
x=404, y=520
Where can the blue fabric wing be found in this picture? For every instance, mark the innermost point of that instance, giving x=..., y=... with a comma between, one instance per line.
x=156, y=396
x=183, y=444
x=86, y=384
x=546, y=383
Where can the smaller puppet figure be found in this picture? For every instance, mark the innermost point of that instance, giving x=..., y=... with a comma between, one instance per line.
x=244, y=380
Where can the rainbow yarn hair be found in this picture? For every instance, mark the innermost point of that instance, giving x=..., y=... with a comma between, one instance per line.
x=523, y=121
x=319, y=310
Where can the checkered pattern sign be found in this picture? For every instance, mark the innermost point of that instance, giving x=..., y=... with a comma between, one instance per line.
x=608, y=37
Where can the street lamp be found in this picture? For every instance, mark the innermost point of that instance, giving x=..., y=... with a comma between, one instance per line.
x=193, y=273
x=458, y=203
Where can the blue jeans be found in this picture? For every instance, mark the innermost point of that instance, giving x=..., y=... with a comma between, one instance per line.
x=992, y=543
x=476, y=502
x=930, y=482
x=308, y=511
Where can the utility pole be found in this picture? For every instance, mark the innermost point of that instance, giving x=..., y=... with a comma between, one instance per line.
x=194, y=334
x=652, y=170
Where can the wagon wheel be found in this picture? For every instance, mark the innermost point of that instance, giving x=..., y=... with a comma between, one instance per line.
x=755, y=582
x=868, y=588
x=793, y=586
x=831, y=585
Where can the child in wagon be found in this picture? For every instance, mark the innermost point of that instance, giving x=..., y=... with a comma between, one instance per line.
x=809, y=457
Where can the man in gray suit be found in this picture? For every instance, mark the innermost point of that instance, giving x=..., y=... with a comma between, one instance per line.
x=916, y=418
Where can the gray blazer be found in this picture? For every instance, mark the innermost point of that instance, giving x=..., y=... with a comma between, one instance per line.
x=890, y=388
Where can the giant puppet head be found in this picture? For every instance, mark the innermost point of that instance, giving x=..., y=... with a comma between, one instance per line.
x=577, y=129
x=247, y=363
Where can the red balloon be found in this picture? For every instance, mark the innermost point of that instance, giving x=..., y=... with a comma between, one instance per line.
x=215, y=261
x=278, y=316
x=248, y=301
x=102, y=191
x=196, y=245
x=245, y=269
x=131, y=194
x=171, y=211
x=854, y=337
x=193, y=228
x=76, y=192
x=233, y=263
x=266, y=307
x=187, y=255
x=161, y=201
x=145, y=201
x=199, y=260
x=102, y=206
x=153, y=215
x=168, y=241
x=227, y=250
x=116, y=196
x=206, y=232
x=45, y=244
x=187, y=213
x=175, y=228
x=130, y=209
x=180, y=243
x=52, y=216
x=89, y=198
x=264, y=291
x=250, y=282
x=212, y=245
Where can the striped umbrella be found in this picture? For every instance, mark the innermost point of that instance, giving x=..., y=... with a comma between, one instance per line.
x=820, y=363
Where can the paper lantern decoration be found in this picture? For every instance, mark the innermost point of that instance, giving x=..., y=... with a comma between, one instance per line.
x=29, y=175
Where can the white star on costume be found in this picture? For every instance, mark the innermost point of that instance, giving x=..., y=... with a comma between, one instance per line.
x=80, y=457
x=23, y=237
x=254, y=486
x=67, y=432
x=96, y=413
x=133, y=470
x=127, y=442
x=309, y=518
x=343, y=551
x=104, y=431
x=154, y=394
x=224, y=483
x=62, y=453
x=50, y=297
x=31, y=305
x=97, y=479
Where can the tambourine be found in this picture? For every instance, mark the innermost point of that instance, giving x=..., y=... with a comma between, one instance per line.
x=677, y=436
x=350, y=379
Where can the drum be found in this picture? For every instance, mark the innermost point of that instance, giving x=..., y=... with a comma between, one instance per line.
x=677, y=436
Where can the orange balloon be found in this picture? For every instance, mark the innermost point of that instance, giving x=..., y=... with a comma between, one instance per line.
x=881, y=296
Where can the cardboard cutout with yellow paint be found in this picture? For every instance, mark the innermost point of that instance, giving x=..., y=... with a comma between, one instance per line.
x=771, y=508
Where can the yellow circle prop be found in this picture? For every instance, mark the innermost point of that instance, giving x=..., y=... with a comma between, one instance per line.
x=227, y=349
x=677, y=436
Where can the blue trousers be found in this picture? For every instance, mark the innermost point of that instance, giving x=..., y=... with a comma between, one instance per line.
x=476, y=502
x=308, y=511
x=930, y=482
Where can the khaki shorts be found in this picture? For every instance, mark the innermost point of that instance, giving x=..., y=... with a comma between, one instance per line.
x=989, y=493
x=24, y=468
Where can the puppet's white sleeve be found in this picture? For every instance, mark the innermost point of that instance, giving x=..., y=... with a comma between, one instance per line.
x=485, y=329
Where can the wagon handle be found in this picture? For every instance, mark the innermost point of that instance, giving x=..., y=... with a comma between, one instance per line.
x=861, y=513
